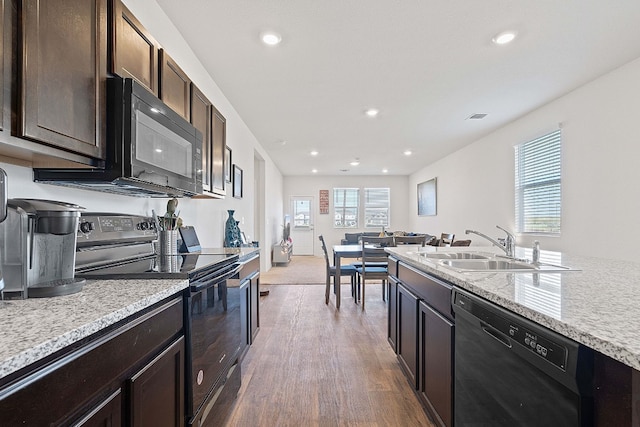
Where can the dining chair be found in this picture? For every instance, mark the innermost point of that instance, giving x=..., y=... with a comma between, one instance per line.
x=370, y=271
x=420, y=239
x=461, y=243
x=446, y=239
x=345, y=270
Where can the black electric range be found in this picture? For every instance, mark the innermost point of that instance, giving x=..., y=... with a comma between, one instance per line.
x=115, y=246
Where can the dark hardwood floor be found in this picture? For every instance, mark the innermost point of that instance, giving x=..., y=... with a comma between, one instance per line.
x=312, y=365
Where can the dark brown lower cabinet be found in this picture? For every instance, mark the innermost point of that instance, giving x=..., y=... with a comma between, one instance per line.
x=254, y=293
x=157, y=390
x=435, y=364
x=130, y=375
x=249, y=283
x=392, y=320
x=408, y=333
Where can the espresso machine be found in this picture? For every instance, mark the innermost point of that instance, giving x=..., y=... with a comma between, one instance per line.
x=38, y=248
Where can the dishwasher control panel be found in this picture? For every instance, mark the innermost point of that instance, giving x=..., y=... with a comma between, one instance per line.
x=515, y=330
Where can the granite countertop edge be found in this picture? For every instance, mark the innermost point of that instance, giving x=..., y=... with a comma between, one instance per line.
x=38, y=328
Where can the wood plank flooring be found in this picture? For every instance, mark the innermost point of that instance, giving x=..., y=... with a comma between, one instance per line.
x=312, y=365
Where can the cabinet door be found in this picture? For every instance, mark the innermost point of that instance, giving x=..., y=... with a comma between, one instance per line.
x=5, y=84
x=407, y=343
x=107, y=414
x=175, y=86
x=436, y=364
x=64, y=74
x=392, y=325
x=255, y=305
x=157, y=390
x=134, y=52
x=218, y=147
x=202, y=119
x=245, y=313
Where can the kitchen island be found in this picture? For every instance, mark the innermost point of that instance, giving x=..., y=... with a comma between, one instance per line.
x=597, y=305
x=593, y=304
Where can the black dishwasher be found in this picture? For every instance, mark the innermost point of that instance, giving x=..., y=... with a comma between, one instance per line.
x=510, y=371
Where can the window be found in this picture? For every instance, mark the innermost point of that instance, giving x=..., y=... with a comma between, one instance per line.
x=345, y=204
x=538, y=186
x=376, y=207
x=301, y=213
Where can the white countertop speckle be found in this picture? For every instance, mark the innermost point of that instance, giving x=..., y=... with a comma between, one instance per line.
x=597, y=306
x=35, y=328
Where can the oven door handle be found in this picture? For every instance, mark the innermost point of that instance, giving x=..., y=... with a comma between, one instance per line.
x=215, y=278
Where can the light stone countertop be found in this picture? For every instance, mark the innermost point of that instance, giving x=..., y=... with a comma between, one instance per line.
x=598, y=306
x=35, y=328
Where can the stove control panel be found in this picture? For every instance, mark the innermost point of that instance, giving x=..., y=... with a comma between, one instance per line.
x=111, y=228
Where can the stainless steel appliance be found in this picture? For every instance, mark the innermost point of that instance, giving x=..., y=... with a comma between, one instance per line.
x=38, y=248
x=122, y=246
x=510, y=371
x=151, y=152
x=3, y=216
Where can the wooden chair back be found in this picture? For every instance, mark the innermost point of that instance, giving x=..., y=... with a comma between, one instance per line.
x=412, y=240
x=324, y=250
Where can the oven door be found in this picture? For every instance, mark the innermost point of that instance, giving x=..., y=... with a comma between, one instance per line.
x=213, y=335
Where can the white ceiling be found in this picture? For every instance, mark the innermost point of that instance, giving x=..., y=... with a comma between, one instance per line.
x=427, y=65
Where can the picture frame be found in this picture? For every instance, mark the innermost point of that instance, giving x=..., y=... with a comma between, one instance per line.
x=427, y=198
x=227, y=164
x=237, y=182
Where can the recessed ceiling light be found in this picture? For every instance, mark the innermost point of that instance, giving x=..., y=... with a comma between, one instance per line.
x=355, y=163
x=271, y=38
x=314, y=170
x=314, y=153
x=504, y=37
x=385, y=170
x=407, y=152
x=372, y=112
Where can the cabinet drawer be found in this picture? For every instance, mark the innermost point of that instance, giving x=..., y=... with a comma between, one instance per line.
x=393, y=266
x=249, y=268
x=433, y=291
x=68, y=386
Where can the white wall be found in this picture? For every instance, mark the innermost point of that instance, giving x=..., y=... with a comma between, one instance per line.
x=311, y=186
x=208, y=216
x=600, y=137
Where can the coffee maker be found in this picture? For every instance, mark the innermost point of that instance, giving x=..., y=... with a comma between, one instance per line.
x=38, y=248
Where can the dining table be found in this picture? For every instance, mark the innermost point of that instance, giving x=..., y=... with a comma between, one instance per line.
x=348, y=251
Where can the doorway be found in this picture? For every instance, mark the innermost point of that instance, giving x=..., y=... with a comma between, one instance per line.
x=302, y=232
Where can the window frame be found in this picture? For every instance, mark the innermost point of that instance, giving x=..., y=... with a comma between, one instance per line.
x=344, y=207
x=366, y=206
x=538, y=185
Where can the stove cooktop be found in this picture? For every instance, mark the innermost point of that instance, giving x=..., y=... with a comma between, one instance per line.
x=185, y=265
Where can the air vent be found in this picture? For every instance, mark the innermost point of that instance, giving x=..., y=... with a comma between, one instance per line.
x=344, y=170
x=477, y=116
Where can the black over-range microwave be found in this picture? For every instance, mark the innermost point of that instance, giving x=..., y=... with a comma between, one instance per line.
x=151, y=152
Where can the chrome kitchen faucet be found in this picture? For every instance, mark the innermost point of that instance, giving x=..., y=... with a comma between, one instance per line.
x=509, y=246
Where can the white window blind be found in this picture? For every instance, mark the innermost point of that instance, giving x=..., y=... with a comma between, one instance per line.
x=538, y=167
x=345, y=204
x=376, y=207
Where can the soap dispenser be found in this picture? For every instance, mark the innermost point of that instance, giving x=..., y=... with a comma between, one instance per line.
x=535, y=258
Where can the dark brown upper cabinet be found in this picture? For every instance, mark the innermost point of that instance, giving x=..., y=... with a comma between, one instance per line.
x=64, y=67
x=203, y=117
x=175, y=86
x=134, y=51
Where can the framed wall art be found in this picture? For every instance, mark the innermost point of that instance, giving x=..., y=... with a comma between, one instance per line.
x=427, y=198
x=237, y=182
x=227, y=164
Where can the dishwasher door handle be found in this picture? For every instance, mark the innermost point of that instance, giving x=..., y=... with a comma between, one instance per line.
x=496, y=335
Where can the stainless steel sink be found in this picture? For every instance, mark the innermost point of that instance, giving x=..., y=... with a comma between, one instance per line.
x=499, y=265
x=453, y=255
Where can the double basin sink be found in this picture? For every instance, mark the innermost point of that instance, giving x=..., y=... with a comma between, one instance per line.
x=478, y=262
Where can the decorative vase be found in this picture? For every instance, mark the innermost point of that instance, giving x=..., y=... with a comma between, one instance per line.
x=231, y=231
